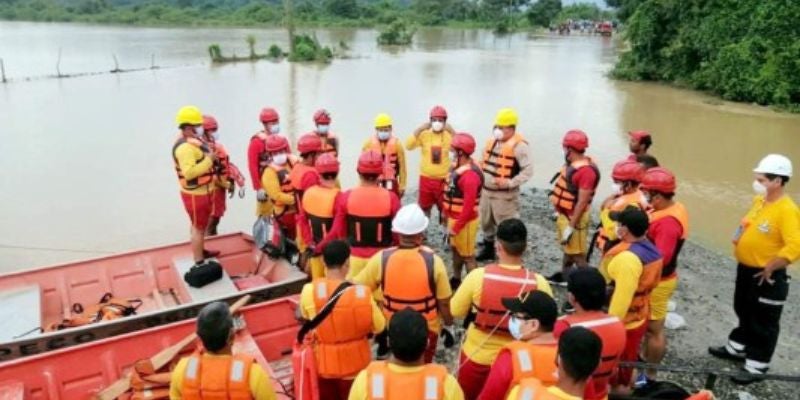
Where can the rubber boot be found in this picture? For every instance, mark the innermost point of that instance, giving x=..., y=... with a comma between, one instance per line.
x=487, y=252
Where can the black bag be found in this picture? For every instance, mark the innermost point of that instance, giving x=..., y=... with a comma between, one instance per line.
x=203, y=274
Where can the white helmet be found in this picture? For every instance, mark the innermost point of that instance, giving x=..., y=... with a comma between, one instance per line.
x=410, y=220
x=775, y=164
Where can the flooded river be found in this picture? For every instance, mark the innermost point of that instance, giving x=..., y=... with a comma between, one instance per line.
x=86, y=161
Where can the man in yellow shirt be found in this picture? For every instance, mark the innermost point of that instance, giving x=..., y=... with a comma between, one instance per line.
x=194, y=164
x=433, y=138
x=578, y=356
x=406, y=375
x=217, y=372
x=767, y=241
x=391, y=150
x=483, y=290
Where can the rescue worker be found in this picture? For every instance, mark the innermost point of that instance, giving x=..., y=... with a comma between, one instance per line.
x=194, y=165
x=433, y=138
x=586, y=291
x=303, y=176
x=766, y=242
x=223, y=174
x=411, y=275
x=364, y=214
x=506, y=165
x=462, y=195
x=322, y=128
x=318, y=204
x=393, y=172
x=572, y=196
x=625, y=192
x=634, y=266
x=258, y=157
x=578, y=356
x=669, y=228
x=277, y=184
x=341, y=340
x=217, y=372
x=532, y=354
x=638, y=143
x=647, y=161
x=483, y=290
x=406, y=375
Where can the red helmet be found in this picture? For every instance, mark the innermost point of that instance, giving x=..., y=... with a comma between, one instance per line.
x=639, y=135
x=576, y=139
x=463, y=142
x=370, y=162
x=438, y=112
x=209, y=123
x=322, y=116
x=327, y=164
x=659, y=179
x=268, y=115
x=309, y=143
x=276, y=143
x=627, y=170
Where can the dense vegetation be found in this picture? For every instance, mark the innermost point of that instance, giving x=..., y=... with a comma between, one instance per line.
x=743, y=50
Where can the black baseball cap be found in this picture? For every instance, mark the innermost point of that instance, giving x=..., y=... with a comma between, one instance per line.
x=535, y=304
x=632, y=218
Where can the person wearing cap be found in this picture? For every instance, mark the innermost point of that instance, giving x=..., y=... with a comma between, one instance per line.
x=586, y=292
x=411, y=275
x=669, y=228
x=258, y=158
x=634, y=267
x=482, y=291
x=364, y=214
x=393, y=175
x=579, y=352
x=571, y=196
x=638, y=143
x=506, y=165
x=406, y=374
x=625, y=192
x=341, y=341
x=462, y=195
x=322, y=128
x=766, y=242
x=532, y=354
x=433, y=138
x=214, y=369
x=315, y=222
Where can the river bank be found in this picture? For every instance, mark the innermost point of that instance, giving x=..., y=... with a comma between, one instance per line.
x=704, y=299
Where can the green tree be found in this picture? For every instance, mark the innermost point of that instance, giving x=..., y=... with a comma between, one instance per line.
x=543, y=12
x=343, y=8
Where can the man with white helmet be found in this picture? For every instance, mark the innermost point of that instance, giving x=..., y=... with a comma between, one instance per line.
x=411, y=275
x=765, y=243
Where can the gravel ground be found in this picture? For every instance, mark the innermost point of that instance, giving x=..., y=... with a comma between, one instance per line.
x=704, y=298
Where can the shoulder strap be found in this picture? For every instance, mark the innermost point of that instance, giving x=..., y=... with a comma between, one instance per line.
x=323, y=313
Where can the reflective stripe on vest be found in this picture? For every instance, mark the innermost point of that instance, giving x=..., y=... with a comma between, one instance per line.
x=677, y=211
x=533, y=361
x=402, y=275
x=202, y=180
x=453, y=196
x=318, y=204
x=369, y=217
x=612, y=334
x=216, y=377
x=499, y=159
x=532, y=389
x=391, y=164
x=564, y=195
x=425, y=384
x=499, y=282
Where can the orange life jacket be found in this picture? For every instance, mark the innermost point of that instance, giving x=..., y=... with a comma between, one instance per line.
x=407, y=280
x=385, y=384
x=330, y=143
x=612, y=334
x=391, y=164
x=298, y=172
x=533, y=361
x=499, y=282
x=369, y=217
x=108, y=308
x=199, y=181
x=499, y=160
x=532, y=389
x=318, y=204
x=564, y=195
x=453, y=195
x=342, y=348
x=650, y=258
x=217, y=378
x=677, y=211
x=264, y=158
x=620, y=203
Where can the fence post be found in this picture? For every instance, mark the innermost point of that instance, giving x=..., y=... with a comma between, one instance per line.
x=3, y=70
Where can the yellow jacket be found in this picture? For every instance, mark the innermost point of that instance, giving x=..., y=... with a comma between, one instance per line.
x=427, y=140
x=624, y=270
x=769, y=231
x=280, y=200
x=193, y=163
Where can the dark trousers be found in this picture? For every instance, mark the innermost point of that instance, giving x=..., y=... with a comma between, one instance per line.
x=759, y=310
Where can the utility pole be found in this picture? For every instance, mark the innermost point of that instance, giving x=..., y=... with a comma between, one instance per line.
x=287, y=8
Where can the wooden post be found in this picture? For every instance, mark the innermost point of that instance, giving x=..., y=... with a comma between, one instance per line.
x=152, y=61
x=58, y=63
x=116, y=64
x=287, y=7
x=3, y=70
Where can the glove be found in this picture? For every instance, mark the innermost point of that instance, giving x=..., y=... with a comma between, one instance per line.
x=566, y=234
x=261, y=195
x=449, y=339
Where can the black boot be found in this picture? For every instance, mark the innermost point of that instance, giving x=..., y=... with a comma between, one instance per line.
x=487, y=252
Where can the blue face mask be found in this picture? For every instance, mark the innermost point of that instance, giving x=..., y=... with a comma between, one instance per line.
x=276, y=128
x=323, y=129
x=515, y=327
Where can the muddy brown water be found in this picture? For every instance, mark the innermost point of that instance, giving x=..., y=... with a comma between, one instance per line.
x=86, y=161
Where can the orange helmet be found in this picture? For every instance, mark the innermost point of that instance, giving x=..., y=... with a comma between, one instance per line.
x=659, y=179
x=276, y=143
x=464, y=142
x=322, y=116
x=438, y=112
x=576, y=139
x=309, y=143
x=268, y=115
x=327, y=164
x=370, y=162
x=209, y=123
x=627, y=170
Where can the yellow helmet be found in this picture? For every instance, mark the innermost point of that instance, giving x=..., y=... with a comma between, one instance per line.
x=506, y=117
x=189, y=115
x=383, y=120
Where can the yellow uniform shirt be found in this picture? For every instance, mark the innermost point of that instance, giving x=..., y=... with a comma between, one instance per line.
x=370, y=276
x=401, y=161
x=260, y=384
x=553, y=390
x=478, y=345
x=427, y=141
x=624, y=269
x=452, y=391
x=271, y=185
x=188, y=155
x=308, y=309
x=769, y=230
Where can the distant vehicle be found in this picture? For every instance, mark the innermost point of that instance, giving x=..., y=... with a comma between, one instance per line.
x=605, y=28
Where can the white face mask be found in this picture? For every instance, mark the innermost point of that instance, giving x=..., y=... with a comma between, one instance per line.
x=323, y=129
x=453, y=156
x=617, y=231
x=200, y=132
x=215, y=136
x=515, y=327
x=759, y=188
x=648, y=198
x=275, y=128
x=279, y=159
x=437, y=126
x=498, y=133
x=616, y=188
x=384, y=135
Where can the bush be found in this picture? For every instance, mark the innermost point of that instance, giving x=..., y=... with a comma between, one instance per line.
x=275, y=51
x=307, y=48
x=396, y=33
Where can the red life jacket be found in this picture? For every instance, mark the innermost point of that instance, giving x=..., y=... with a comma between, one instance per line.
x=369, y=217
x=264, y=158
x=499, y=282
x=677, y=211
